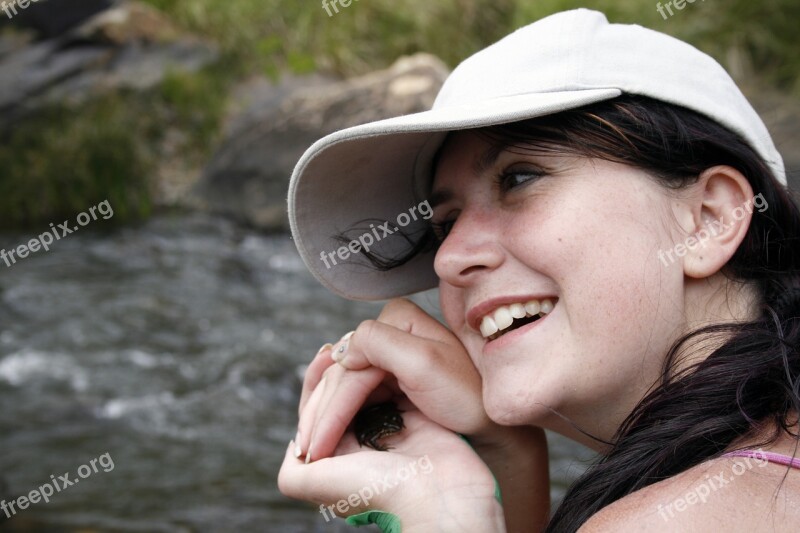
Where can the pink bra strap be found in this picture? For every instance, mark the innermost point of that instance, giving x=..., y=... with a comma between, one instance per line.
x=769, y=456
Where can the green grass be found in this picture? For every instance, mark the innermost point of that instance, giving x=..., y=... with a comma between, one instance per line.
x=195, y=103
x=272, y=36
x=277, y=35
x=59, y=164
x=65, y=160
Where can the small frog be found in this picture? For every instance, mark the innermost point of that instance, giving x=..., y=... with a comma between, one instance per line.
x=375, y=422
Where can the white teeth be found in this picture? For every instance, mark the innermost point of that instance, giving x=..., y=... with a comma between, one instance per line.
x=532, y=307
x=517, y=310
x=503, y=318
x=488, y=327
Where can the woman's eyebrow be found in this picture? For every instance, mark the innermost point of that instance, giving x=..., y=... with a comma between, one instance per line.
x=488, y=158
x=481, y=164
x=439, y=197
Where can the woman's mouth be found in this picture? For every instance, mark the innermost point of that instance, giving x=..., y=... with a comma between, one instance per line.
x=512, y=316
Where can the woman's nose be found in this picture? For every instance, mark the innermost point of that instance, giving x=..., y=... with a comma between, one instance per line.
x=472, y=247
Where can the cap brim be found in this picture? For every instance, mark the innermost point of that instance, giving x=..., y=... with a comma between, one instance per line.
x=355, y=177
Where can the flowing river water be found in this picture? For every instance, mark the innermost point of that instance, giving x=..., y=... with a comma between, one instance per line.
x=174, y=350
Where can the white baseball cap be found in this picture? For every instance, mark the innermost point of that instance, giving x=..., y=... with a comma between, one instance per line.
x=377, y=171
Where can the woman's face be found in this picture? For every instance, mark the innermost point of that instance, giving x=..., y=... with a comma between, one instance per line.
x=581, y=233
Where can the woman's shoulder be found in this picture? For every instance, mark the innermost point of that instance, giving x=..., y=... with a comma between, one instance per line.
x=741, y=493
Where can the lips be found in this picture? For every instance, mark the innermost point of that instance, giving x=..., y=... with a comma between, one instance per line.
x=497, y=317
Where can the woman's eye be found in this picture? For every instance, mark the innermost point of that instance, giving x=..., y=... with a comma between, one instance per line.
x=514, y=178
x=442, y=229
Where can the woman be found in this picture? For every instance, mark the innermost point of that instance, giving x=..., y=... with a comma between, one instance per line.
x=617, y=259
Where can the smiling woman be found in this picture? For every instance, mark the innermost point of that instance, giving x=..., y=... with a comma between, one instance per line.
x=558, y=162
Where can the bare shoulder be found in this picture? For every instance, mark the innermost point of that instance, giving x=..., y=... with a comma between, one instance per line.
x=739, y=494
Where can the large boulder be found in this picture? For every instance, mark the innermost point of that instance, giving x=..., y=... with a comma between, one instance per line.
x=129, y=46
x=51, y=18
x=248, y=176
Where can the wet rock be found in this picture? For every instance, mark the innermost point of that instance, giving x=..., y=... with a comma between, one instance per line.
x=127, y=24
x=51, y=18
x=249, y=174
x=130, y=46
x=14, y=41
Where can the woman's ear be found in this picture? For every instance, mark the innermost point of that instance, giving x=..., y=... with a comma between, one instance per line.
x=721, y=211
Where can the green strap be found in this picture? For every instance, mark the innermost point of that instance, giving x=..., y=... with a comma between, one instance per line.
x=390, y=523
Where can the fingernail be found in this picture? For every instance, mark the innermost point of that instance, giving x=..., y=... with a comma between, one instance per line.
x=297, y=450
x=339, y=354
x=324, y=347
x=308, y=455
x=340, y=350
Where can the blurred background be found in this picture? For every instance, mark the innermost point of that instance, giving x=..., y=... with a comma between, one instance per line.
x=172, y=335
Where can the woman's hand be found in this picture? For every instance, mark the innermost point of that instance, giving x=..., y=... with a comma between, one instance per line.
x=431, y=479
x=405, y=351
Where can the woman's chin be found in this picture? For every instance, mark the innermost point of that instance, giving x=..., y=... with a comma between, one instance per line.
x=516, y=406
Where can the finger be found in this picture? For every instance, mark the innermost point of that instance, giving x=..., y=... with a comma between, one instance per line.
x=407, y=316
x=316, y=368
x=330, y=479
x=439, y=378
x=308, y=416
x=418, y=363
x=301, y=481
x=349, y=470
x=345, y=395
